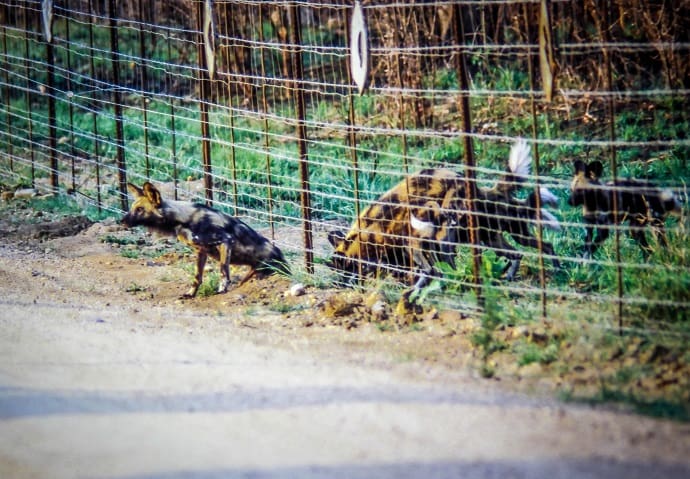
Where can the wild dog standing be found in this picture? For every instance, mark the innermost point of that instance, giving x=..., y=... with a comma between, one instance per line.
x=638, y=203
x=423, y=218
x=209, y=232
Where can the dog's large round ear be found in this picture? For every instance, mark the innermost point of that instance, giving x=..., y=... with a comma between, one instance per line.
x=595, y=169
x=579, y=166
x=152, y=193
x=336, y=237
x=135, y=190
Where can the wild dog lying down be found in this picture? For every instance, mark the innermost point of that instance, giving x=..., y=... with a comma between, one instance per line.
x=422, y=219
x=209, y=232
x=638, y=203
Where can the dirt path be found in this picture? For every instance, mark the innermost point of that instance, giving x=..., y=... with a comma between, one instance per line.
x=104, y=374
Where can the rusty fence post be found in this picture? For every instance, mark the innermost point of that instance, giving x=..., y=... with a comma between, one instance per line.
x=117, y=103
x=173, y=134
x=298, y=87
x=267, y=144
x=226, y=52
x=533, y=108
x=28, y=99
x=608, y=65
x=144, y=84
x=362, y=82
x=70, y=97
x=470, y=180
x=8, y=101
x=47, y=17
x=94, y=114
x=204, y=12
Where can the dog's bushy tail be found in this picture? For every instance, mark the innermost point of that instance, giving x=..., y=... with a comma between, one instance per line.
x=519, y=168
x=546, y=197
x=520, y=159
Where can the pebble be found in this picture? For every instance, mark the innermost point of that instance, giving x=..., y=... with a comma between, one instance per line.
x=296, y=290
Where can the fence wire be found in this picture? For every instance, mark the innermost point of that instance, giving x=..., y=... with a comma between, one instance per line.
x=251, y=106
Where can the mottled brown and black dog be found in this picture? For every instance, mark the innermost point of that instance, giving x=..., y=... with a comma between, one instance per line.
x=209, y=232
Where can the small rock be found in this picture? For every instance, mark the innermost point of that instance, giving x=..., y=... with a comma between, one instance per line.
x=296, y=290
x=378, y=310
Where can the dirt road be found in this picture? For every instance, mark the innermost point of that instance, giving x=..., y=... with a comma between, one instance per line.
x=102, y=376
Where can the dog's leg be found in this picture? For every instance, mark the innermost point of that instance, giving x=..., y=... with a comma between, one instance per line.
x=247, y=277
x=638, y=234
x=546, y=247
x=504, y=249
x=224, y=252
x=603, y=232
x=659, y=232
x=589, y=241
x=198, y=274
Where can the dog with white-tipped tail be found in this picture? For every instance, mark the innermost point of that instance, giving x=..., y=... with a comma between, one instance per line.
x=421, y=221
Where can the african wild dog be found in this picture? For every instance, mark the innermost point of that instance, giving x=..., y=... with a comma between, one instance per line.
x=638, y=203
x=208, y=232
x=422, y=219
x=382, y=237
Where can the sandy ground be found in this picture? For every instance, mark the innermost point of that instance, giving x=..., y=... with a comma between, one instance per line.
x=104, y=373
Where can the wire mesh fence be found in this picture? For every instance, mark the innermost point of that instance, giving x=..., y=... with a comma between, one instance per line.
x=252, y=106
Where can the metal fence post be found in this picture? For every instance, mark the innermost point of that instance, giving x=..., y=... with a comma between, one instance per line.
x=297, y=86
x=29, y=89
x=173, y=135
x=94, y=115
x=8, y=101
x=117, y=102
x=470, y=181
x=144, y=85
x=352, y=134
x=614, y=167
x=71, y=105
x=204, y=79
x=267, y=145
x=537, y=196
x=47, y=10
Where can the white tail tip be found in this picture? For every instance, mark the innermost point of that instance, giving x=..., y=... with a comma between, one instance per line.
x=549, y=220
x=520, y=160
x=547, y=197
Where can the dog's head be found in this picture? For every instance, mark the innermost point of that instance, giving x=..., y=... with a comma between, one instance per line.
x=583, y=188
x=342, y=260
x=146, y=208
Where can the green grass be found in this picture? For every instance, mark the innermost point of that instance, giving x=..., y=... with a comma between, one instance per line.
x=660, y=408
x=528, y=353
